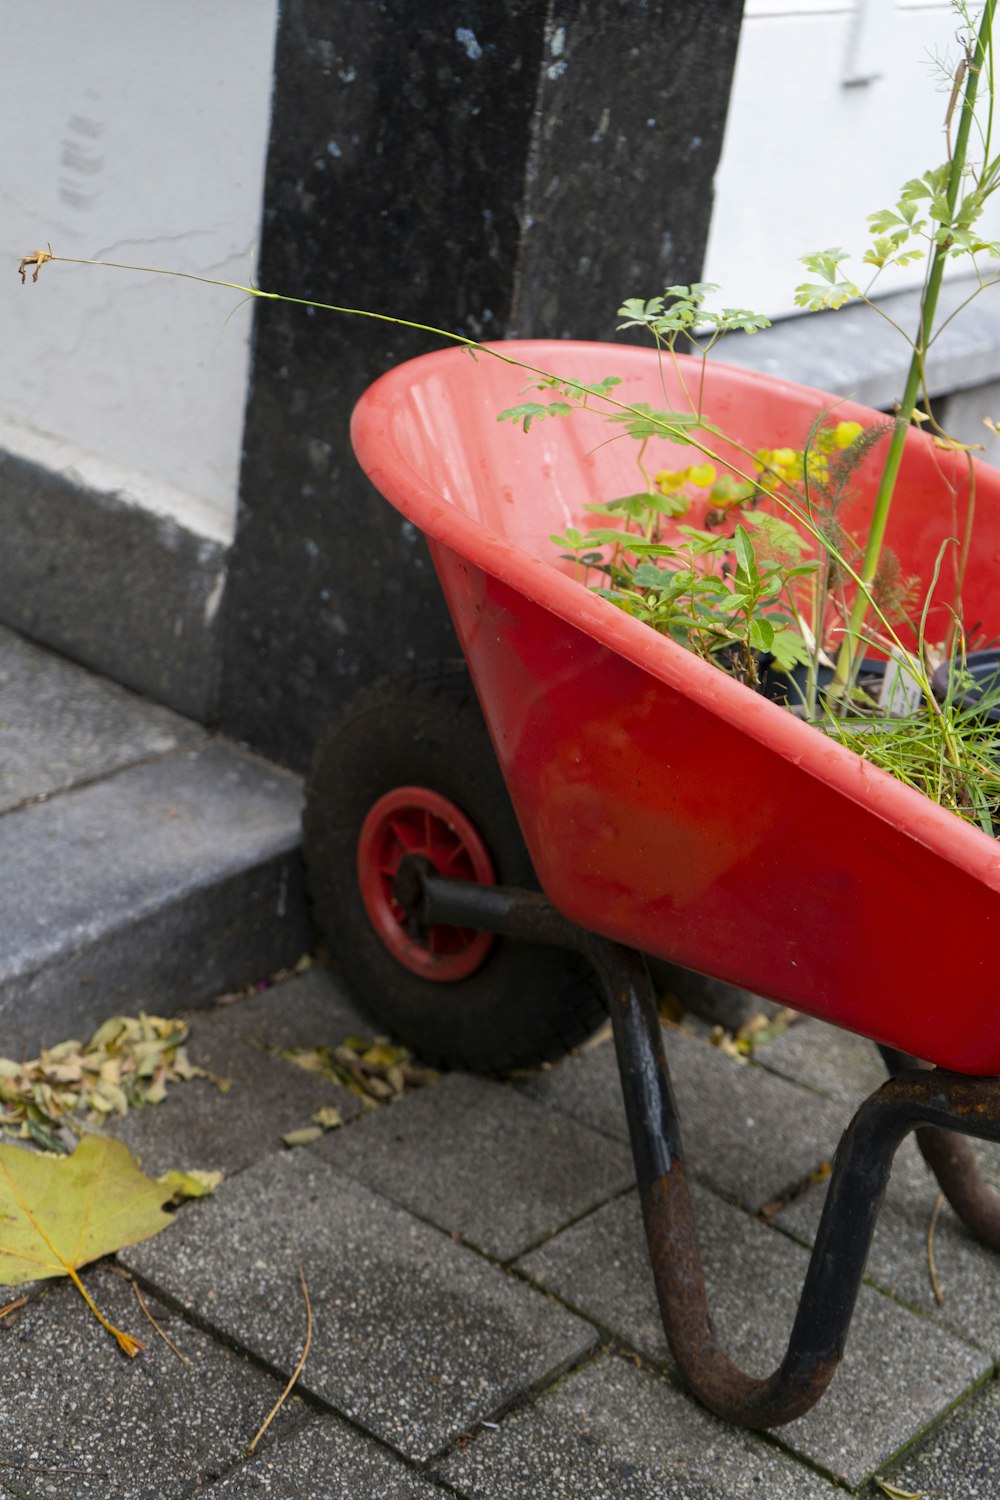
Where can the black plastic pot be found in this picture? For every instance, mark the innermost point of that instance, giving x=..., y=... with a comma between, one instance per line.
x=983, y=670
x=790, y=687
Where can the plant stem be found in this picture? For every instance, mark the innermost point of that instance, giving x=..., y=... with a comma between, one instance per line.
x=850, y=650
x=795, y=504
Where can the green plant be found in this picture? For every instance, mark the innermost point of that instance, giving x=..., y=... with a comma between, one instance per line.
x=935, y=219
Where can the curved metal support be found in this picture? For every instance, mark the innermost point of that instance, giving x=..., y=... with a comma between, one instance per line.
x=929, y=1100
x=953, y=1163
x=857, y=1185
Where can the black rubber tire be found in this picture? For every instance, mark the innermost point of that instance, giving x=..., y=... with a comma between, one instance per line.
x=526, y=1004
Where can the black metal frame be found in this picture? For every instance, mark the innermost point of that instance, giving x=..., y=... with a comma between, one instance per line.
x=940, y=1106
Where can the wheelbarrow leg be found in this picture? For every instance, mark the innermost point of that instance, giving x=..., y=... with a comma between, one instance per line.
x=951, y=1159
x=828, y=1297
x=857, y=1184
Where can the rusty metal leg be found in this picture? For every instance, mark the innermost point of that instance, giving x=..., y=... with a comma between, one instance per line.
x=857, y=1185
x=951, y=1159
x=854, y=1196
x=828, y=1298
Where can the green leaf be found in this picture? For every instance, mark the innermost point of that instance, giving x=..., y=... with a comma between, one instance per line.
x=646, y=421
x=739, y=319
x=606, y=537
x=580, y=392
x=641, y=506
x=534, y=411
x=665, y=580
x=743, y=548
x=833, y=291
x=884, y=220
x=573, y=539
x=815, y=297
x=761, y=634
x=636, y=506
x=789, y=649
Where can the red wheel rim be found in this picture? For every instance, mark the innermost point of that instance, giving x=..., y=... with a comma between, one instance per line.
x=415, y=820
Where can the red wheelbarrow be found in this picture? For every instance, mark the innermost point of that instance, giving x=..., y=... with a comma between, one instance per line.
x=662, y=809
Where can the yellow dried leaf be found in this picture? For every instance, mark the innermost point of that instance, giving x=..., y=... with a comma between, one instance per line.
x=60, y=1213
x=895, y=1493
x=311, y=1059
x=303, y=1137
x=193, y=1184
x=384, y=1056
x=328, y=1117
x=61, y=1051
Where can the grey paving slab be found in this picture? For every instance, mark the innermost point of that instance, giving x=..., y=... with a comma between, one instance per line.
x=201, y=1125
x=415, y=1336
x=310, y=1010
x=60, y=725
x=79, y=1421
x=839, y=1064
x=325, y=1460
x=179, y=877
x=961, y=1460
x=754, y=1277
x=968, y=1273
x=747, y=1133
x=480, y=1160
x=611, y=1431
x=848, y=1068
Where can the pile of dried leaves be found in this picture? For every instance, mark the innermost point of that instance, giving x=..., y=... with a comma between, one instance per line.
x=374, y=1070
x=128, y=1062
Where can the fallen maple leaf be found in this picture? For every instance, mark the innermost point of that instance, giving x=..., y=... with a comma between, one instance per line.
x=60, y=1213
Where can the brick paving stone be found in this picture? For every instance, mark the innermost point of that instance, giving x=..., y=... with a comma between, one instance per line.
x=611, y=1431
x=754, y=1276
x=480, y=1160
x=325, y=1460
x=839, y=1064
x=845, y=1067
x=199, y=1125
x=968, y=1272
x=747, y=1134
x=309, y=1010
x=961, y=1460
x=415, y=1337
x=79, y=1421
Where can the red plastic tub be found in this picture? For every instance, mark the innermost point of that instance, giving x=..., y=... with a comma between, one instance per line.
x=664, y=804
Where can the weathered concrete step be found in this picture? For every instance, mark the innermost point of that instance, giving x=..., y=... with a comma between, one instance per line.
x=61, y=725
x=145, y=865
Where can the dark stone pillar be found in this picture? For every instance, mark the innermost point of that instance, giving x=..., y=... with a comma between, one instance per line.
x=496, y=167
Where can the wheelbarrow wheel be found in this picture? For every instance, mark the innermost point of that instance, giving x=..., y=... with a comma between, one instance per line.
x=410, y=770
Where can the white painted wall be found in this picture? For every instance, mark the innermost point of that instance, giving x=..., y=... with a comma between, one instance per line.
x=835, y=105
x=133, y=130
x=136, y=130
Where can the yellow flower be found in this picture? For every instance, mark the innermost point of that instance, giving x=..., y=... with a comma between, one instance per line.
x=846, y=433
x=702, y=475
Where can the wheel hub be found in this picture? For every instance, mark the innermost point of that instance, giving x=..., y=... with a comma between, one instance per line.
x=413, y=820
